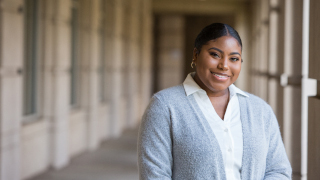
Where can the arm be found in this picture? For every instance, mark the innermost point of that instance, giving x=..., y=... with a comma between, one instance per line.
x=154, y=143
x=278, y=166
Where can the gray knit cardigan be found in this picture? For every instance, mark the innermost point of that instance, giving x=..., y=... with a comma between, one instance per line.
x=176, y=142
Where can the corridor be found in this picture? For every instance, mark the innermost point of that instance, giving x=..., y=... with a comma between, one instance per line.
x=116, y=159
x=77, y=75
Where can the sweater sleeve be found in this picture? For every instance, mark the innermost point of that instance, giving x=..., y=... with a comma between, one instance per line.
x=278, y=166
x=154, y=143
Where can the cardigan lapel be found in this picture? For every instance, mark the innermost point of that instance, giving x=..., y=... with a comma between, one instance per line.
x=203, y=121
x=205, y=124
x=247, y=127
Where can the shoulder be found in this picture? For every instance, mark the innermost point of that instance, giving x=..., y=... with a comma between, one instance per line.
x=255, y=101
x=256, y=107
x=161, y=100
x=171, y=95
x=158, y=111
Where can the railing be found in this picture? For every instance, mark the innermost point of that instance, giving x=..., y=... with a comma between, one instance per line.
x=295, y=80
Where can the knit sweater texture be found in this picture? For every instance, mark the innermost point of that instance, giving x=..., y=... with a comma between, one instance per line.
x=176, y=142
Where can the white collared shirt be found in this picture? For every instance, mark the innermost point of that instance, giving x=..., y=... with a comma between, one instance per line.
x=228, y=132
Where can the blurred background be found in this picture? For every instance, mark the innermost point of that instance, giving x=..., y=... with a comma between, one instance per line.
x=77, y=75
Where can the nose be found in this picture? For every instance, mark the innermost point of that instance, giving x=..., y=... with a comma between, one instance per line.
x=223, y=64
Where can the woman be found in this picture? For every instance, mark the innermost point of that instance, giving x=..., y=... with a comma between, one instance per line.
x=207, y=128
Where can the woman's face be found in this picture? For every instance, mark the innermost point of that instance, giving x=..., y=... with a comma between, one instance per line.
x=218, y=64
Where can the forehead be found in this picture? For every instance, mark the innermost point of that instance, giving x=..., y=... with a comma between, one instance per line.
x=226, y=42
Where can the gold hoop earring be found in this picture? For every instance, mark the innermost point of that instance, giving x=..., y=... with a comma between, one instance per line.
x=192, y=64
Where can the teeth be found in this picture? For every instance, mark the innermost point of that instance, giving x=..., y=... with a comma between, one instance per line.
x=219, y=75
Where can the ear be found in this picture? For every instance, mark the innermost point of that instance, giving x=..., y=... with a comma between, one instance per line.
x=195, y=54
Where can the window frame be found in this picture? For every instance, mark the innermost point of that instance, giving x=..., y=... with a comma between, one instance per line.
x=37, y=54
x=75, y=84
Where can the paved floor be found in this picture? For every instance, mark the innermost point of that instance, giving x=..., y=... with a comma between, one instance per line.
x=115, y=160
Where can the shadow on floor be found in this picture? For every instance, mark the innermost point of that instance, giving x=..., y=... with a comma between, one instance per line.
x=116, y=159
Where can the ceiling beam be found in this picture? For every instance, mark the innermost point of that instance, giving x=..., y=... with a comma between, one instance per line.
x=209, y=7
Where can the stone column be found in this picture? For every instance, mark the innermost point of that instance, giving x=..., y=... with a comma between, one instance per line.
x=146, y=54
x=255, y=47
x=273, y=45
x=292, y=91
x=11, y=63
x=260, y=49
x=104, y=81
x=311, y=71
x=109, y=54
x=277, y=65
x=90, y=53
x=114, y=49
x=132, y=60
x=59, y=126
x=263, y=48
x=242, y=26
x=171, y=51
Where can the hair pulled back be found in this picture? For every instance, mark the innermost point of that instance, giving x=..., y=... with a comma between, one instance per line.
x=214, y=31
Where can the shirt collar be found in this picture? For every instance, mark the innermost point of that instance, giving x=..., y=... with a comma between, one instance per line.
x=234, y=90
x=190, y=87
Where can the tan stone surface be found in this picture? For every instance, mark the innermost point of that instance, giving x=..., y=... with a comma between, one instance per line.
x=116, y=159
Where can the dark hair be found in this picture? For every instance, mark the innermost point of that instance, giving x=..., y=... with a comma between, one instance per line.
x=214, y=31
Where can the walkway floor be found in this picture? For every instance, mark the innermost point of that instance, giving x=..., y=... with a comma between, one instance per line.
x=116, y=159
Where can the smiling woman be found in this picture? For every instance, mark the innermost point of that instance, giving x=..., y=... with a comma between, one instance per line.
x=207, y=128
x=217, y=56
x=218, y=66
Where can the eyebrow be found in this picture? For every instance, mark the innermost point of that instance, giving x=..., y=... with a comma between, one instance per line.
x=233, y=53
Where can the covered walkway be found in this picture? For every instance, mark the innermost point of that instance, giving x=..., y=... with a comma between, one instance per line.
x=116, y=159
x=76, y=74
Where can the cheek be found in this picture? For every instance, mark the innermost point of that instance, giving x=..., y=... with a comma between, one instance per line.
x=236, y=69
x=207, y=64
x=203, y=64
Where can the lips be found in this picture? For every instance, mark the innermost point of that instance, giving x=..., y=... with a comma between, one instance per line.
x=220, y=76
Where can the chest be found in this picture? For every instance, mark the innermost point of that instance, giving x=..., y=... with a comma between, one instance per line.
x=220, y=105
x=195, y=142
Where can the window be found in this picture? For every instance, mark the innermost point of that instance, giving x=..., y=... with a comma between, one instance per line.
x=30, y=106
x=74, y=101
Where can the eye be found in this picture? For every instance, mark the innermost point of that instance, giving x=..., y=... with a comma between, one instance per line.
x=214, y=54
x=234, y=59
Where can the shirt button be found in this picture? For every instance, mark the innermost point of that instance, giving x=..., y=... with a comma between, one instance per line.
x=229, y=149
x=226, y=130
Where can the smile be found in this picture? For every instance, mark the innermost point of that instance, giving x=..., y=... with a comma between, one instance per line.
x=220, y=77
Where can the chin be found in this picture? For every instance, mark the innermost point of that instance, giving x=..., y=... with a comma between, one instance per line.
x=218, y=87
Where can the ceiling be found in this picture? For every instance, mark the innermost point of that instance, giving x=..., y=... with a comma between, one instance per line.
x=200, y=6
